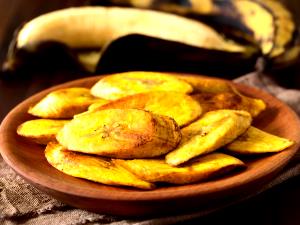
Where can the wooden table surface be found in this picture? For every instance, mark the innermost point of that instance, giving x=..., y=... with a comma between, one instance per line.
x=278, y=206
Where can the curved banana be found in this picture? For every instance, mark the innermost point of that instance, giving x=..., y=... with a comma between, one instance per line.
x=267, y=22
x=93, y=27
x=273, y=27
x=79, y=36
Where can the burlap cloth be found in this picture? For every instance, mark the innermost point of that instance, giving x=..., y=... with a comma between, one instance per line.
x=21, y=203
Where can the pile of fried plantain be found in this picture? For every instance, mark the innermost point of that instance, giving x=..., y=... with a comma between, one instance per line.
x=140, y=135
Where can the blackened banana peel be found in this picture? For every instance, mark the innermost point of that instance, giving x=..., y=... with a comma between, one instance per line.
x=268, y=23
x=89, y=31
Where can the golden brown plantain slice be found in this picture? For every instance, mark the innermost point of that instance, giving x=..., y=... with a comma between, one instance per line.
x=98, y=104
x=252, y=105
x=207, y=85
x=63, y=103
x=230, y=100
x=256, y=141
x=215, y=101
x=93, y=107
x=123, y=84
x=121, y=133
x=212, y=131
x=91, y=167
x=179, y=106
x=157, y=170
x=41, y=131
x=214, y=94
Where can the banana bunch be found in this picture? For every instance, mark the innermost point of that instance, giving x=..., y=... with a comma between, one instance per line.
x=98, y=39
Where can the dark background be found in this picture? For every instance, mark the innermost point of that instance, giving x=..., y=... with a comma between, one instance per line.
x=278, y=206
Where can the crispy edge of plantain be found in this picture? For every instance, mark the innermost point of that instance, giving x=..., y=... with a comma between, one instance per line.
x=121, y=133
x=41, y=131
x=230, y=100
x=63, y=103
x=212, y=131
x=255, y=105
x=207, y=85
x=93, y=168
x=256, y=141
x=202, y=168
x=123, y=84
x=179, y=106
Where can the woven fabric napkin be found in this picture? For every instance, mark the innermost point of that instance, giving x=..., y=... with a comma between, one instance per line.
x=21, y=203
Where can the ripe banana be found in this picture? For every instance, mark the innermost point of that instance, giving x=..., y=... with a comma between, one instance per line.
x=267, y=22
x=92, y=28
x=154, y=54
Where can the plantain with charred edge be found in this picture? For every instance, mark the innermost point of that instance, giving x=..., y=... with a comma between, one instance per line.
x=41, y=131
x=202, y=168
x=179, y=106
x=92, y=168
x=64, y=103
x=207, y=85
x=256, y=141
x=214, y=94
x=230, y=100
x=121, y=133
x=212, y=131
x=119, y=85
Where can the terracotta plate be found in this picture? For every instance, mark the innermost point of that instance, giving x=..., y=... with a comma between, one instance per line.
x=28, y=160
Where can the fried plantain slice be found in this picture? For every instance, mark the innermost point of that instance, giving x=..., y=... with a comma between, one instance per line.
x=63, y=103
x=207, y=85
x=256, y=141
x=179, y=106
x=98, y=104
x=121, y=133
x=157, y=170
x=41, y=131
x=91, y=168
x=252, y=105
x=214, y=94
x=93, y=107
x=212, y=131
x=123, y=84
x=230, y=100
